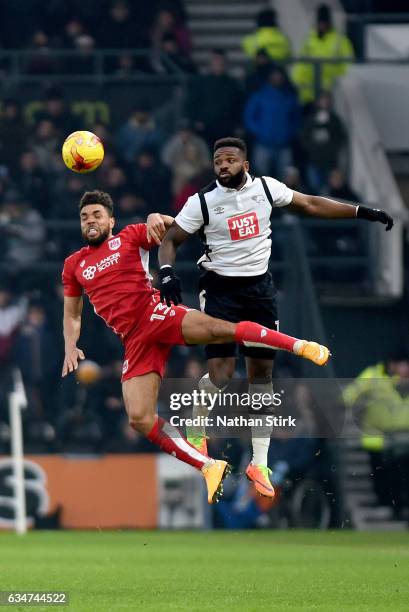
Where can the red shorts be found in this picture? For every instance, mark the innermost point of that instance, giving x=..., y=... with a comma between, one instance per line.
x=147, y=348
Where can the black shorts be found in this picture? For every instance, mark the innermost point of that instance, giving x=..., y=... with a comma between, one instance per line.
x=239, y=299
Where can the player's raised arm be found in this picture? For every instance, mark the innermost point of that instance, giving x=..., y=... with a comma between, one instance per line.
x=170, y=287
x=187, y=222
x=175, y=236
x=317, y=206
x=157, y=226
x=72, y=329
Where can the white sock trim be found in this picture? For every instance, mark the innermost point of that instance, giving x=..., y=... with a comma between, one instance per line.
x=298, y=346
x=173, y=433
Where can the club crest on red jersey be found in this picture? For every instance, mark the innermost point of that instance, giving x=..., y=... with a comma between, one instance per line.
x=114, y=244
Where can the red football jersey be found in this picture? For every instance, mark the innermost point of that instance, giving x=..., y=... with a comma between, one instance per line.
x=115, y=277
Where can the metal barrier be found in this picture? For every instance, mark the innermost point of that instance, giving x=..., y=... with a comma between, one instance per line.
x=98, y=66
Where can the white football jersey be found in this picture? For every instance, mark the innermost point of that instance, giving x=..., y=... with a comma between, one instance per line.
x=239, y=228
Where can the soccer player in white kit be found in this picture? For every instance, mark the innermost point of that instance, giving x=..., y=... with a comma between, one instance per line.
x=233, y=215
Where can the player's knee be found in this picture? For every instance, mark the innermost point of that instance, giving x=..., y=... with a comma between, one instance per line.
x=212, y=384
x=260, y=371
x=140, y=421
x=260, y=376
x=221, y=374
x=218, y=330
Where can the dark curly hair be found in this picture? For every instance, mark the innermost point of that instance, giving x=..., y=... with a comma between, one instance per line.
x=231, y=142
x=97, y=197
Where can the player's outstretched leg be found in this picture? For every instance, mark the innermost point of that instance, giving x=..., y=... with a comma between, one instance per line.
x=199, y=328
x=196, y=434
x=140, y=397
x=261, y=385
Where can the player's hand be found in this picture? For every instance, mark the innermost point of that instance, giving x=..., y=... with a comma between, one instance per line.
x=155, y=228
x=170, y=287
x=71, y=358
x=374, y=214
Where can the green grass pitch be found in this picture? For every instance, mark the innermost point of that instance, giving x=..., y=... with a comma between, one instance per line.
x=249, y=571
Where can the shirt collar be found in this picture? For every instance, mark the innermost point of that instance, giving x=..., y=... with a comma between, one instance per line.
x=249, y=181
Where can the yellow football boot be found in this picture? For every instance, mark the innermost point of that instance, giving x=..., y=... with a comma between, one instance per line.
x=317, y=353
x=260, y=475
x=214, y=474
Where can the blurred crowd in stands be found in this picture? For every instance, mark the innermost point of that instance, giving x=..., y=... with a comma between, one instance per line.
x=42, y=28
x=149, y=166
x=286, y=124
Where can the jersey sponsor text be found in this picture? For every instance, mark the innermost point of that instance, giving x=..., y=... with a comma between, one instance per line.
x=89, y=272
x=244, y=226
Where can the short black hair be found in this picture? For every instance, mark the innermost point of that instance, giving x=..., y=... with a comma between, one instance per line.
x=267, y=18
x=97, y=197
x=230, y=141
x=324, y=14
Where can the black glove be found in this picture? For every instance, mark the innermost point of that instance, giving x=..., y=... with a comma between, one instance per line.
x=374, y=214
x=170, y=287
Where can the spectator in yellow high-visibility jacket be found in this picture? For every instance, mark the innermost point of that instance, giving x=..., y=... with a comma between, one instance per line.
x=268, y=37
x=379, y=398
x=321, y=43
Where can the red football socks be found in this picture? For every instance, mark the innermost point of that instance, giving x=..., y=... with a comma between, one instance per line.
x=170, y=440
x=253, y=334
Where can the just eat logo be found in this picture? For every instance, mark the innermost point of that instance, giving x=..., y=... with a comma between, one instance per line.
x=244, y=226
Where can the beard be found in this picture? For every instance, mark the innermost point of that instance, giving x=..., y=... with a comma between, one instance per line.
x=97, y=240
x=232, y=182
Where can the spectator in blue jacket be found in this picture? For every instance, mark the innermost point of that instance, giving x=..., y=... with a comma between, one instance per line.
x=138, y=132
x=272, y=115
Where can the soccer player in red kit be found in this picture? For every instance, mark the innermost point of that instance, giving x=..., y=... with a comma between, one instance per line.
x=113, y=272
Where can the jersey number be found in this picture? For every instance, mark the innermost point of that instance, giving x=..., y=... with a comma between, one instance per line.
x=160, y=308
